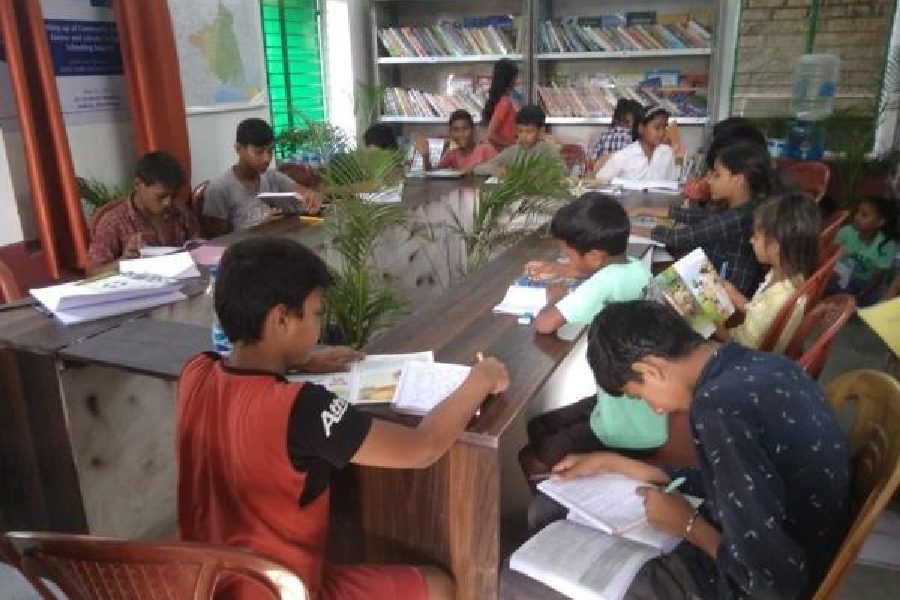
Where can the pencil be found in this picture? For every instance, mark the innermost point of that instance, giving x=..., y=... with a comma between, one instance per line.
x=480, y=357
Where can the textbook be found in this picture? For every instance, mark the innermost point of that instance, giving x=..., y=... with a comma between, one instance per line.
x=289, y=203
x=694, y=289
x=423, y=385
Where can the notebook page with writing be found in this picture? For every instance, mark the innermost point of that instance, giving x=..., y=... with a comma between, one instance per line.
x=424, y=385
x=609, y=502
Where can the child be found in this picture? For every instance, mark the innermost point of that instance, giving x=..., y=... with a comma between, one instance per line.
x=380, y=136
x=621, y=132
x=148, y=217
x=465, y=153
x=255, y=452
x=725, y=133
x=869, y=245
x=500, y=109
x=530, y=126
x=593, y=234
x=230, y=202
x=774, y=468
x=741, y=177
x=785, y=237
x=647, y=158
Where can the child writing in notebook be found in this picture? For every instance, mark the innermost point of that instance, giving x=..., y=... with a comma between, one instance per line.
x=868, y=246
x=593, y=234
x=647, y=158
x=255, y=452
x=786, y=238
x=530, y=133
x=499, y=111
x=465, y=152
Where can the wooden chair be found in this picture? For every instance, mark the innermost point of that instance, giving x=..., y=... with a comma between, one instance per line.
x=98, y=216
x=804, y=299
x=829, y=232
x=96, y=568
x=9, y=284
x=875, y=454
x=828, y=318
x=810, y=176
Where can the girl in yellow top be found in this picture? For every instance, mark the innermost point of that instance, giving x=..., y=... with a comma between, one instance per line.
x=785, y=237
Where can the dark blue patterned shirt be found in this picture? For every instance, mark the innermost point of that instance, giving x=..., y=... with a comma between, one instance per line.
x=775, y=473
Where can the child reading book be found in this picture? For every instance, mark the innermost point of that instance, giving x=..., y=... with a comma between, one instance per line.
x=621, y=133
x=255, y=452
x=741, y=178
x=593, y=235
x=500, y=109
x=647, y=158
x=465, y=153
x=786, y=238
x=725, y=133
x=774, y=468
x=868, y=246
x=530, y=127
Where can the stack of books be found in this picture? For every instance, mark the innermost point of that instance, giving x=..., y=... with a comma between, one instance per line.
x=599, y=102
x=629, y=32
x=463, y=37
x=400, y=102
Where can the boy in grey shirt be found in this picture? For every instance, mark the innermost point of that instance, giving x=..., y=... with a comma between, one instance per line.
x=529, y=125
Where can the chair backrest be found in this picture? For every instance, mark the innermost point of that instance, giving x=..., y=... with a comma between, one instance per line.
x=827, y=318
x=195, y=204
x=829, y=232
x=98, y=216
x=572, y=154
x=810, y=176
x=875, y=454
x=9, y=284
x=95, y=568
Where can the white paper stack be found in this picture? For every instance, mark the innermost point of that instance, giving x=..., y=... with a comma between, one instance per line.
x=523, y=300
x=175, y=266
x=664, y=187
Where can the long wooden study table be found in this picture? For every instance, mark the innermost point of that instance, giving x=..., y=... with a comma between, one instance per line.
x=86, y=440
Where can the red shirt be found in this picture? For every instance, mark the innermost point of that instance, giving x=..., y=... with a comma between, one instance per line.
x=505, y=114
x=455, y=159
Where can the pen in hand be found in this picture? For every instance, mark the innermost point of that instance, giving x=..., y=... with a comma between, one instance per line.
x=674, y=485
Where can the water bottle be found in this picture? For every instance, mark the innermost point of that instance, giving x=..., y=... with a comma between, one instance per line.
x=220, y=342
x=815, y=85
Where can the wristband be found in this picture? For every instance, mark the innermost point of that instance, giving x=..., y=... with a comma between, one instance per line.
x=690, y=524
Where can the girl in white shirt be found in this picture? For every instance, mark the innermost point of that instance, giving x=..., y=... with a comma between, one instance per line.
x=647, y=158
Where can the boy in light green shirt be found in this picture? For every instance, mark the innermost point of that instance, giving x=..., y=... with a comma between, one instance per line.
x=529, y=142
x=593, y=234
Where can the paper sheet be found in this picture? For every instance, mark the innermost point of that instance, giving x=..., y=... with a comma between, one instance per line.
x=424, y=385
x=884, y=319
x=92, y=312
x=177, y=266
x=111, y=288
x=655, y=186
x=608, y=502
x=521, y=300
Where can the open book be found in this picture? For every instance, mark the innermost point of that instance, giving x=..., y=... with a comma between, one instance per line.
x=693, y=288
x=289, y=203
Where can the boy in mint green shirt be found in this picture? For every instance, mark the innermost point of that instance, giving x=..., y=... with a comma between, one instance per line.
x=593, y=234
x=868, y=248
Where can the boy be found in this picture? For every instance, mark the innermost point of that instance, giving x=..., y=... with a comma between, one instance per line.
x=465, y=154
x=620, y=133
x=380, y=136
x=230, y=202
x=593, y=235
x=529, y=133
x=774, y=468
x=148, y=217
x=255, y=452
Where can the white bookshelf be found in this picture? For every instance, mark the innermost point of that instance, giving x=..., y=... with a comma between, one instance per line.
x=623, y=54
x=446, y=60
x=608, y=120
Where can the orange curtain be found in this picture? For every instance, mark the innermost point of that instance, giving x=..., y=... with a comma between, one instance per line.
x=54, y=194
x=150, y=59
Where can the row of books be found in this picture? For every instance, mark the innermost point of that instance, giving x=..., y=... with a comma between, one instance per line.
x=600, y=102
x=448, y=39
x=400, y=102
x=576, y=35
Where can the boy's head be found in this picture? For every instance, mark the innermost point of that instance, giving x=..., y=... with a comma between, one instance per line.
x=643, y=349
x=253, y=143
x=157, y=178
x=786, y=232
x=591, y=230
x=462, y=128
x=729, y=131
x=270, y=292
x=380, y=136
x=627, y=113
x=529, y=125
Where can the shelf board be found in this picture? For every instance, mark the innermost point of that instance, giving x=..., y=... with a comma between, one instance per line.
x=443, y=60
x=608, y=120
x=396, y=119
x=623, y=54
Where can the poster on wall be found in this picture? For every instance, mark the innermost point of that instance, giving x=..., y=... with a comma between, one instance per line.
x=86, y=60
x=219, y=45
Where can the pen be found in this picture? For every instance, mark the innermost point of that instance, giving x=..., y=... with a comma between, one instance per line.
x=480, y=357
x=674, y=485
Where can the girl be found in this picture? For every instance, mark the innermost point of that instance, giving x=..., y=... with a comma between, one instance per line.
x=741, y=177
x=500, y=109
x=785, y=237
x=465, y=153
x=647, y=158
x=869, y=245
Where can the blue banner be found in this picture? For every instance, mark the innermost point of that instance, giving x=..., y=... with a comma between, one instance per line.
x=84, y=47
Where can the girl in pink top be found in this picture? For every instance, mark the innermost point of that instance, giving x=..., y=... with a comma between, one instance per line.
x=465, y=154
x=500, y=110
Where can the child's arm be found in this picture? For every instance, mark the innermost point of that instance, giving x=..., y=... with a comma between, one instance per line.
x=420, y=143
x=874, y=283
x=396, y=446
x=737, y=298
x=597, y=463
x=550, y=318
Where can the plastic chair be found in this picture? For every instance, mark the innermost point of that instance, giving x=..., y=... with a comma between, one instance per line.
x=805, y=298
x=810, y=176
x=875, y=454
x=95, y=568
x=832, y=313
x=9, y=285
x=829, y=232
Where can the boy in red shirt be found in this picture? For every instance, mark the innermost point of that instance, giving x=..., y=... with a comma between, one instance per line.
x=255, y=452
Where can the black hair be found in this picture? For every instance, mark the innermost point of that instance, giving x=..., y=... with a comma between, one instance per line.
x=729, y=131
x=254, y=132
x=162, y=168
x=594, y=221
x=888, y=210
x=645, y=117
x=503, y=80
x=531, y=114
x=625, y=107
x=753, y=162
x=624, y=333
x=380, y=136
x=257, y=275
x=461, y=114
x=792, y=220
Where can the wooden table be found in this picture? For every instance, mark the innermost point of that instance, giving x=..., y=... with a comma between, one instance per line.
x=448, y=514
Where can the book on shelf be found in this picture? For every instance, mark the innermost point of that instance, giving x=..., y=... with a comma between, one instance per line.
x=453, y=37
x=599, y=101
x=401, y=102
x=587, y=34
